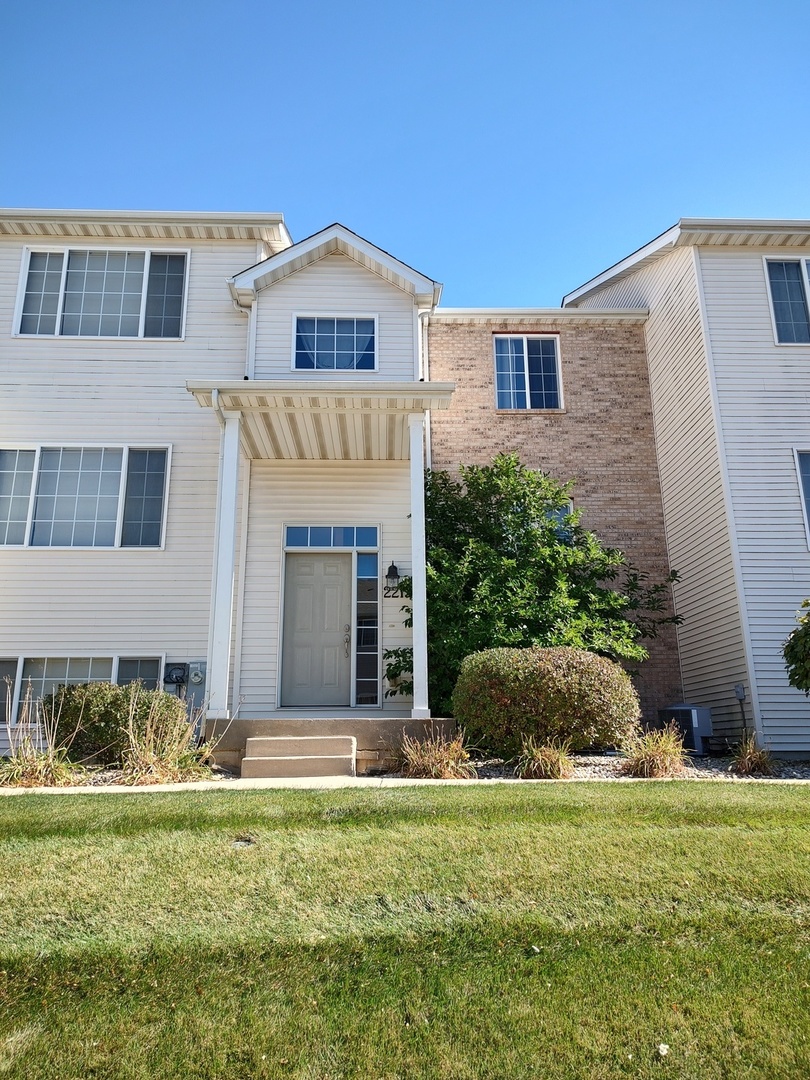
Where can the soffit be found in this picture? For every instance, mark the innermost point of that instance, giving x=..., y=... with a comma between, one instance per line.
x=145, y=225
x=322, y=421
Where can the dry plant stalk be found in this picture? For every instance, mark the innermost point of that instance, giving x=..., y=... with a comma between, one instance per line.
x=162, y=747
x=437, y=757
x=35, y=757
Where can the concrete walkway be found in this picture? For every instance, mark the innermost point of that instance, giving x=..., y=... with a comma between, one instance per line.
x=331, y=783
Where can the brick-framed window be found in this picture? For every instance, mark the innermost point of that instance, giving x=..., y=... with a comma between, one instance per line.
x=527, y=372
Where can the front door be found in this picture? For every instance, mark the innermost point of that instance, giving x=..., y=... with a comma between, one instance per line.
x=316, y=660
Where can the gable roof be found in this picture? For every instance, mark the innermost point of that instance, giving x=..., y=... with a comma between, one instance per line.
x=335, y=239
x=700, y=232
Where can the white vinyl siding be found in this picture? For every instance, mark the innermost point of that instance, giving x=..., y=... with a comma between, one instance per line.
x=317, y=493
x=336, y=286
x=62, y=391
x=763, y=390
x=710, y=639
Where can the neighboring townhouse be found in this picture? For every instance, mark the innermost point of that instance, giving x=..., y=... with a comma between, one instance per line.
x=728, y=346
x=211, y=458
x=567, y=391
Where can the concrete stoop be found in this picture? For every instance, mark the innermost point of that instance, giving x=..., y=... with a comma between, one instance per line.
x=282, y=756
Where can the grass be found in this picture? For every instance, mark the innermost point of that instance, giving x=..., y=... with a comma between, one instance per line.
x=455, y=933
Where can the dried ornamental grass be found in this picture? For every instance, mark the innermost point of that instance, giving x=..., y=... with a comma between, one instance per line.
x=36, y=757
x=162, y=747
x=437, y=757
x=654, y=754
x=750, y=759
x=547, y=761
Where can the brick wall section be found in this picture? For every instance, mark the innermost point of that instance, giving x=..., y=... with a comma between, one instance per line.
x=603, y=440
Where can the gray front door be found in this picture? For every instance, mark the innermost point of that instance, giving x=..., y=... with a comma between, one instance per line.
x=316, y=653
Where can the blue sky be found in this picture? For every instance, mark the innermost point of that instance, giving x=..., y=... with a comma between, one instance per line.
x=510, y=150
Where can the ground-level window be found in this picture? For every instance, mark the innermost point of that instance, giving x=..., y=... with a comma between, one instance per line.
x=83, y=496
x=362, y=541
x=45, y=674
x=527, y=374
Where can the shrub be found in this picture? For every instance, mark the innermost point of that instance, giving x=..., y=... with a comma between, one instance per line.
x=796, y=651
x=95, y=717
x=654, y=754
x=750, y=759
x=437, y=757
x=549, y=761
x=561, y=693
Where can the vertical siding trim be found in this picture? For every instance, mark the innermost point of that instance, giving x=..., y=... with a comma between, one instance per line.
x=726, y=485
x=240, y=585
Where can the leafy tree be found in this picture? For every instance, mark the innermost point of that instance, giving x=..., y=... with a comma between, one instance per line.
x=796, y=651
x=509, y=565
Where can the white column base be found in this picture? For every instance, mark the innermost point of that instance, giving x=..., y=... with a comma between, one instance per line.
x=420, y=714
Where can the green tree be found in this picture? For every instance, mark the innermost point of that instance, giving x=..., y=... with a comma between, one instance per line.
x=796, y=651
x=509, y=565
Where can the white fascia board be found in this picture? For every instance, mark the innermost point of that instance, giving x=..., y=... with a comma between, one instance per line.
x=623, y=315
x=203, y=217
x=247, y=283
x=661, y=243
x=745, y=224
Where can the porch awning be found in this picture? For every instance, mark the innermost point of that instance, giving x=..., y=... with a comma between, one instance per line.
x=322, y=421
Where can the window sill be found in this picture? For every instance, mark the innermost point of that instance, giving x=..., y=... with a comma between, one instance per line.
x=530, y=412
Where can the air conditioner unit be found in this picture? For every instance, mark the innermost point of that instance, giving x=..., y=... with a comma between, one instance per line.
x=693, y=722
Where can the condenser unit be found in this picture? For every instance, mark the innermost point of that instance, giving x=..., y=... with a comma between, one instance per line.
x=694, y=723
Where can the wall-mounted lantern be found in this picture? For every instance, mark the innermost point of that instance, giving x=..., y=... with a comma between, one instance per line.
x=392, y=577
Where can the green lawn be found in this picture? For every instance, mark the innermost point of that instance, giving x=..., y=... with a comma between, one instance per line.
x=469, y=932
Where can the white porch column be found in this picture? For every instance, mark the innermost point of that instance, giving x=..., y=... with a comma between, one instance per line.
x=219, y=649
x=416, y=425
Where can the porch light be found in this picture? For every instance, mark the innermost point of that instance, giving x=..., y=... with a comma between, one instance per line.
x=392, y=576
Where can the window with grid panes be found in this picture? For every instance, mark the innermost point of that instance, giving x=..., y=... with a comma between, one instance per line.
x=78, y=496
x=527, y=372
x=86, y=293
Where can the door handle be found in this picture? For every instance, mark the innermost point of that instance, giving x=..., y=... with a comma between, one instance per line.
x=346, y=643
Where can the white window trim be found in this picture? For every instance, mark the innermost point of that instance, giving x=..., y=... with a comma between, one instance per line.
x=542, y=336
x=804, y=261
x=340, y=372
x=64, y=249
x=353, y=551
x=16, y=694
x=805, y=508
x=126, y=447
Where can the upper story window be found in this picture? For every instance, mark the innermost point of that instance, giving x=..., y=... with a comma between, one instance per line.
x=527, y=374
x=334, y=344
x=88, y=293
x=788, y=282
x=83, y=496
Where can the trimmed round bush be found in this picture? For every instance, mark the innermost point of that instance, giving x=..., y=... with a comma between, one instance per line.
x=505, y=695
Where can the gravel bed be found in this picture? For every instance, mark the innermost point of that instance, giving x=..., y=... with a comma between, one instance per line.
x=607, y=767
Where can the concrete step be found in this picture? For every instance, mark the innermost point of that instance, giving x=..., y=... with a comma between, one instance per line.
x=301, y=746
x=311, y=765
